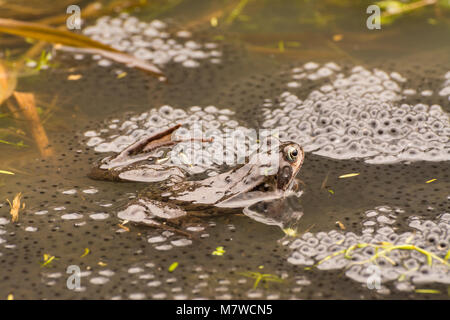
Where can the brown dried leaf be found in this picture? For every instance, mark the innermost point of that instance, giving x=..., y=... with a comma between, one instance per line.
x=15, y=207
x=340, y=225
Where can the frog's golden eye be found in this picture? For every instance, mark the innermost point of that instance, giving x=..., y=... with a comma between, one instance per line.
x=292, y=154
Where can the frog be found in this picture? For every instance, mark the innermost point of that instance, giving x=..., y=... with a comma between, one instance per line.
x=174, y=198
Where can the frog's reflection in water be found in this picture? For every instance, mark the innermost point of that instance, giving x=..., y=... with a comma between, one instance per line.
x=283, y=212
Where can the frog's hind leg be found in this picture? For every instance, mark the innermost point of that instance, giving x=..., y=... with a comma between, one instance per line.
x=148, y=144
x=156, y=141
x=152, y=213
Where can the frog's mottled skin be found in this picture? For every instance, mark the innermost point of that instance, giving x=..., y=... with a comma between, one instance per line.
x=174, y=198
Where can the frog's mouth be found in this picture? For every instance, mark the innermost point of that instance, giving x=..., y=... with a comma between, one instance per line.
x=285, y=177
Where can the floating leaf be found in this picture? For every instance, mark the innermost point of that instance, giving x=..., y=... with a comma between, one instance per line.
x=71, y=39
x=173, y=266
x=337, y=37
x=119, y=57
x=341, y=225
x=214, y=22
x=430, y=181
x=122, y=226
x=86, y=252
x=49, y=34
x=47, y=259
x=6, y=172
x=74, y=77
x=15, y=207
x=121, y=75
x=219, y=251
x=349, y=175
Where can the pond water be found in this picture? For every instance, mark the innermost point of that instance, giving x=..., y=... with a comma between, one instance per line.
x=372, y=102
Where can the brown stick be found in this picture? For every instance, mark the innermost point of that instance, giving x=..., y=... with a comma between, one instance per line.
x=27, y=106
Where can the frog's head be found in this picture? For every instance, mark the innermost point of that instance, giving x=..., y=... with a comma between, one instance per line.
x=291, y=160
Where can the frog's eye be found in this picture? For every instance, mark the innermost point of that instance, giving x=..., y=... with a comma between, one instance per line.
x=292, y=154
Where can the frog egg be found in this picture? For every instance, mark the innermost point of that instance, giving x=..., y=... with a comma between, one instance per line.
x=429, y=136
x=323, y=121
x=94, y=141
x=232, y=124
x=135, y=213
x=105, y=147
x=310, y=66
x=391, y=85
x=353, y=147
x=166, y=111
x=190, y=64
x=156, y=120
x=203, y=159
x=283, y=136
x=352, y=132
x=436, y=111
x=179, y=58
x=324, y=72
x=136, y=134
x=298, y=259
x=207, y=118
x=293, y=84
x=214, y=133
x=435, y=154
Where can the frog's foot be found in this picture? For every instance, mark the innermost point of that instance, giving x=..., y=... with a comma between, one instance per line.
x=152, y=143
x=132, y=163
x=146, y=145
x=159, y=215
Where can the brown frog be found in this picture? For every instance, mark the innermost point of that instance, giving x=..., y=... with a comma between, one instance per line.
x=258, y=187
